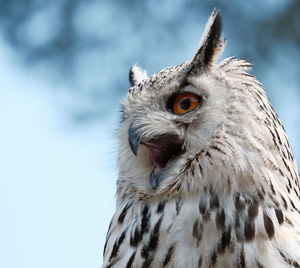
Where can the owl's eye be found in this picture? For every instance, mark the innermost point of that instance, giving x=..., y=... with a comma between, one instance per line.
x=183, y=103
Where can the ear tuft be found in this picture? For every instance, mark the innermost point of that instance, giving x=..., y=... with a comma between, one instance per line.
x=211, y=44
x=136, y=75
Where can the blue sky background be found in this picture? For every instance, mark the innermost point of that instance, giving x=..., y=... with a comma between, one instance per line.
x=57, y=181
x=59, y=112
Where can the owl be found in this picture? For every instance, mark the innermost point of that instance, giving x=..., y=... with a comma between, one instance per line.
x=207, y=177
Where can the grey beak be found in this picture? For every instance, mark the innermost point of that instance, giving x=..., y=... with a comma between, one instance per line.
x=134, y=138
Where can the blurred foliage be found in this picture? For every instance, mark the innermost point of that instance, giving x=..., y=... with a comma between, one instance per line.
x=91, y=44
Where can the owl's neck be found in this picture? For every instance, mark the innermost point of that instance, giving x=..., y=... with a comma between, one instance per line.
x=209, y=230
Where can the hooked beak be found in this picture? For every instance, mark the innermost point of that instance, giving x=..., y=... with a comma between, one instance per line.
x=163, y=150
x=134, y=138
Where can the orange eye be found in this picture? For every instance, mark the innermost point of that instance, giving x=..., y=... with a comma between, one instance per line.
x=185, y=102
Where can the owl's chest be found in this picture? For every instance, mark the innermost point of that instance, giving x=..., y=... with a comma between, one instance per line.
x=168, y=233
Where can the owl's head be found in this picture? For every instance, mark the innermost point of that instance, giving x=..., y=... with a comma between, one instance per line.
x=191, y=125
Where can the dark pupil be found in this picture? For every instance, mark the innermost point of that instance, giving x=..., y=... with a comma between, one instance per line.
x=185, y=104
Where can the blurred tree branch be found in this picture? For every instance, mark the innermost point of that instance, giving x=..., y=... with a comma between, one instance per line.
x=95, y=51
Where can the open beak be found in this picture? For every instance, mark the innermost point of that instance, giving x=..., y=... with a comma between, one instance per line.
x=163, y=150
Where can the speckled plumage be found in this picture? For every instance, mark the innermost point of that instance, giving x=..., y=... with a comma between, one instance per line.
x=229, y=196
